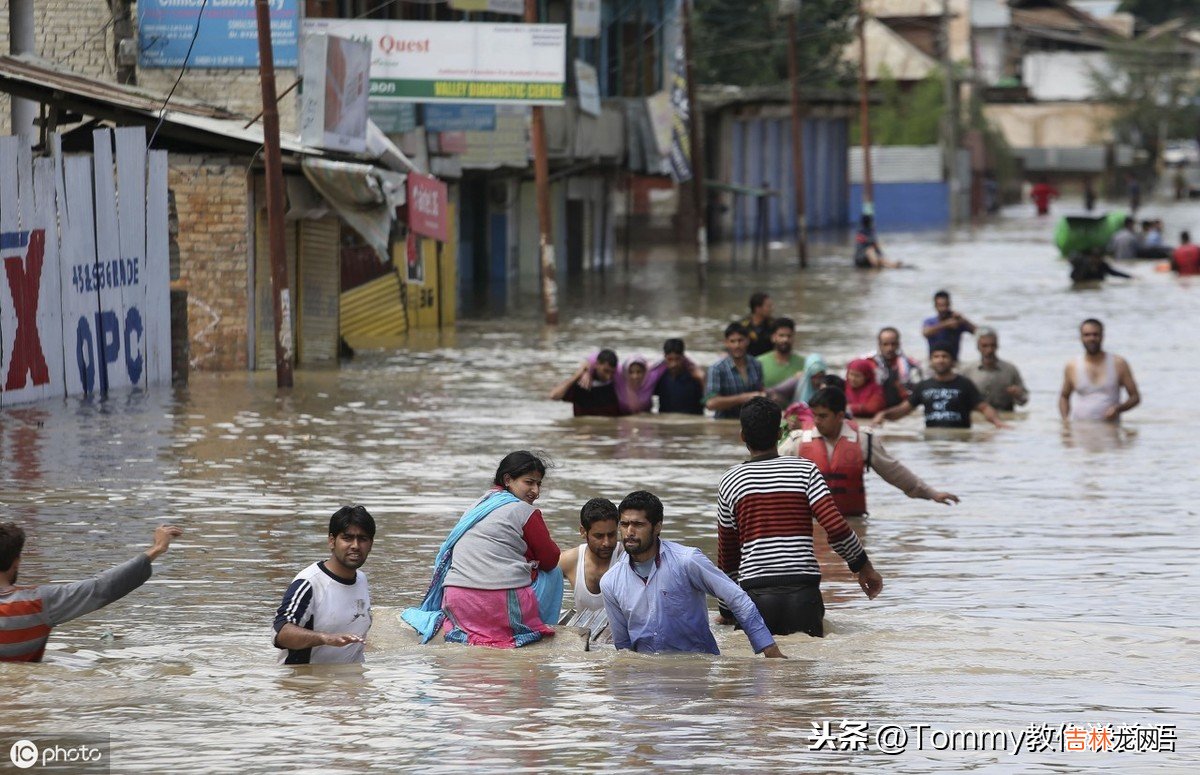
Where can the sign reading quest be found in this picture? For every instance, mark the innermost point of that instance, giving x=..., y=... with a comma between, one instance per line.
x=464, y=62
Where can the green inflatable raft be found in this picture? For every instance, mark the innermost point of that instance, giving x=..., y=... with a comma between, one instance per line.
x=1082, y=233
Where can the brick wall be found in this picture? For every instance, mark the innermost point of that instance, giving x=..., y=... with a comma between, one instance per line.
x=212, y=200
x=77, y=35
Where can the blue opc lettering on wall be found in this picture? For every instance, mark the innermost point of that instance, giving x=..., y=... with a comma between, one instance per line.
x=441, y=117
x=108, y=341
x=133, y=326
x=227, y=38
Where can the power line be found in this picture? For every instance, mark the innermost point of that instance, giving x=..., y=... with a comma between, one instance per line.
x=162, y=115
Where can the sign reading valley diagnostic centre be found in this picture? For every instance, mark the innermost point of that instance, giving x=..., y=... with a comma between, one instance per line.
x=463, y=62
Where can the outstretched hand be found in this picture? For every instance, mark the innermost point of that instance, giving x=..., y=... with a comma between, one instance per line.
x=340, y=639
x=162, y=540
x=947, y=498
x=870, y=581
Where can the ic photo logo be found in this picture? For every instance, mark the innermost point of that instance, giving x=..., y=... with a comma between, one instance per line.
x=23, y=754
x=73, y=754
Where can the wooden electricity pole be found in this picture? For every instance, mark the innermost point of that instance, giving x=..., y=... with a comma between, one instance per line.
x=280, y=296
x=797, y=147
x=696, y=141
x=541, y=178
x=864, y=113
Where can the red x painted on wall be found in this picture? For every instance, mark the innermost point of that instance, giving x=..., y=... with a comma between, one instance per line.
x=24, y=284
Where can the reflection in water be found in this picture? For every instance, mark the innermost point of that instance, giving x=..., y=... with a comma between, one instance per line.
x=1059, y=591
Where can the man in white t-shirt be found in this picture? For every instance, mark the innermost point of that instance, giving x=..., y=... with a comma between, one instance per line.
x=326, y=610
x=585, y=564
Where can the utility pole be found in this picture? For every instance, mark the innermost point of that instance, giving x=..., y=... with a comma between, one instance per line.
x=541, y=178
x=696, y=141
x=22, y=40
x=949, y=115
x=280, y=295
x=797, y=146
x=124, y=41
x=864, y=116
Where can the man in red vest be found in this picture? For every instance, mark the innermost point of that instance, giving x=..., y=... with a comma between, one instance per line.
x=843, y=452
x=1186, y=258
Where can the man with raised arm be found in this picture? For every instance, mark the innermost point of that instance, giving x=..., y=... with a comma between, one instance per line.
x=27, y=614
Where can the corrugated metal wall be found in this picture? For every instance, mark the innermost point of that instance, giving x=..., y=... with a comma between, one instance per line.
x=761, y=156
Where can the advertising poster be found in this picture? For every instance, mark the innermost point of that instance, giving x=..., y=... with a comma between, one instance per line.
x=227, y=36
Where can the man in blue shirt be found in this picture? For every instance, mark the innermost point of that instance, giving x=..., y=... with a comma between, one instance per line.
x=656, y=597
x=681, y=387
x=735, y=379
x=945, y=329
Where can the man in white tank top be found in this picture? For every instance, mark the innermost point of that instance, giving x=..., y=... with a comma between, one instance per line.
x=1092, y=382
x=585, y=564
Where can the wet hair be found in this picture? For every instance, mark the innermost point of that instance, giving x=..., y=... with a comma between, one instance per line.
x=12, y=541
x=885, y=330
x=736, y=328
x=596, y=510
x=757, y=299
x=1185, y=236
x=942, y=294
x=783, y=323
x=1093, y=322
x=356, y=516
x=942, y=348
x=760, y=423
x=646, y=502
x=517, y=464
x=867, y=221
x=673, y=347
x=607, y=356
x=828, y=398
x=834, y=382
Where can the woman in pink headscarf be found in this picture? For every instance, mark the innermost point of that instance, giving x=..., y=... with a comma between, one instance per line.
x=635, y=384
x=864, y=396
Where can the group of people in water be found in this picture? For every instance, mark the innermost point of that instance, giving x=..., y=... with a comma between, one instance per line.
x=499, y=578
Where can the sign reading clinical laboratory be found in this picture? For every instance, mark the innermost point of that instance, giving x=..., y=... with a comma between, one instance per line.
x=213, y=33
x=462, y=62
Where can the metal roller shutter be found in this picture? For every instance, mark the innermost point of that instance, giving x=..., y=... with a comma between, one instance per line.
x=320, y=287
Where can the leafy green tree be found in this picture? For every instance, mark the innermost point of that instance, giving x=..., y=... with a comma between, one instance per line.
x=906, y=116
x=1154, y=91
x=743, y=43
x=1159, y=11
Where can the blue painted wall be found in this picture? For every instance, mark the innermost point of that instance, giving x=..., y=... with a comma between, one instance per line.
x=905, y=206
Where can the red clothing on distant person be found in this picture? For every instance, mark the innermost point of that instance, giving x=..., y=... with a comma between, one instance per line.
x=1041, y=194
x=1186, y=259
x=867, y=400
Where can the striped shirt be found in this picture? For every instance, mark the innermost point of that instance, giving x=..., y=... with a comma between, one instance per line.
x=765, y=512
x=28, y=613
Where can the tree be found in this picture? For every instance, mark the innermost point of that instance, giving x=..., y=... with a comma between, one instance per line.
x=1153, y=90
x=1159, y=11
x=743, y=43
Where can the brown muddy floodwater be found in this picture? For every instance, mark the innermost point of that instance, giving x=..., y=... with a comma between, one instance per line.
x=1061, y=591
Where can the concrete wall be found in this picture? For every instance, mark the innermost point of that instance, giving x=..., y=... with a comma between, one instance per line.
x=1052, y=124
x=212, y=198
x=1062, y=75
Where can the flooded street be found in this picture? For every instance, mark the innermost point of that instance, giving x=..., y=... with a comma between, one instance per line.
x=1061, y=591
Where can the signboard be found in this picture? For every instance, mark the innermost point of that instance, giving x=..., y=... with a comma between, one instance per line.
x=452, y=142
x=227, y=36
x=507, y=146
x=585, y=18
x=393, y=118
x=333, y=105
x=448, y=117
x=427, y=198
x=84, y=301
x=515, y=7
x=587, y=83
x=476, y=62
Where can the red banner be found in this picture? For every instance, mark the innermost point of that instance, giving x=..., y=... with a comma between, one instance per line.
x=427, y=207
